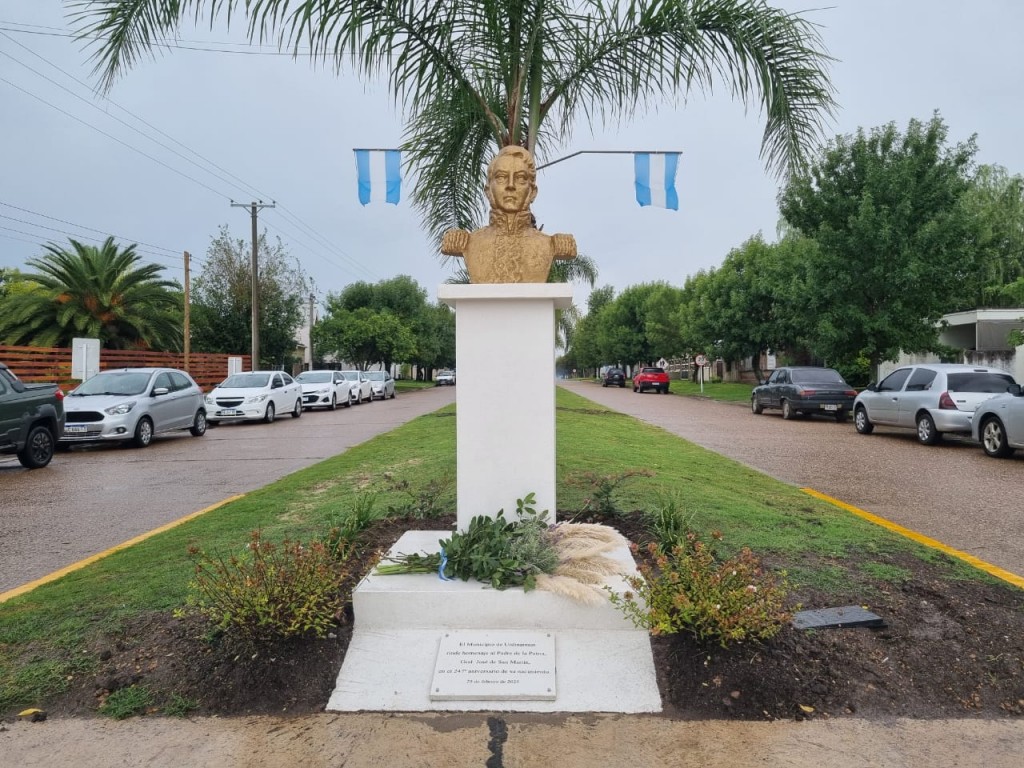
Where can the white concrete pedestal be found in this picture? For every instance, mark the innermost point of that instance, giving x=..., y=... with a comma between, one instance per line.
x=505, y=394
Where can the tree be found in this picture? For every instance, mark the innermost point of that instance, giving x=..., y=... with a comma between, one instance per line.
x=583, y=347
x=105, y=293
x=477, y=75
x=622, y=327
x=222, y=300
x=895, y=245
x=996, y=202
x=364, y=337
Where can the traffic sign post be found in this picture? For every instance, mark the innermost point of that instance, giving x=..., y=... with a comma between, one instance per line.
x=701, y=361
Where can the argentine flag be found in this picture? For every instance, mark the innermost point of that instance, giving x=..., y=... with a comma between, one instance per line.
x=379, y=173
x=656, y=179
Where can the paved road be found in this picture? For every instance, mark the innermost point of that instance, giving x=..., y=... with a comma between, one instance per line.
x=90, y=499
x=951, y=492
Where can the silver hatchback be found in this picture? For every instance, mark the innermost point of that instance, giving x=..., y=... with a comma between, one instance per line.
x=932, y=398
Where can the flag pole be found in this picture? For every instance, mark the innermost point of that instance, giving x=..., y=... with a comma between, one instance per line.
x=612, y=152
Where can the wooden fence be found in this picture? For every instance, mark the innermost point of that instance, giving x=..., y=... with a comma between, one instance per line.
x=54, y=364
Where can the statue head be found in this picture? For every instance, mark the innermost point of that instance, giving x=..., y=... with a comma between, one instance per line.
x=512, y=180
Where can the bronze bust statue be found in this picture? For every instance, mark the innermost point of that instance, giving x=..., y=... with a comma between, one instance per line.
x=510, y=249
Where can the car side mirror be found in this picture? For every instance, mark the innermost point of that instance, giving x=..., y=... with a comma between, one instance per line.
x=872, y=387
x=1015, y=390
x=157, y=391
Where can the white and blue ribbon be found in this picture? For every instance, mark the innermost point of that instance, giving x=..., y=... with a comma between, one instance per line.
x=655, y=182
x=440, y=568
x=376, y=170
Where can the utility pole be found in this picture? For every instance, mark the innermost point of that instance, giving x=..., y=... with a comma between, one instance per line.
x=254, y=212
x=187, y=333
x=312, y=299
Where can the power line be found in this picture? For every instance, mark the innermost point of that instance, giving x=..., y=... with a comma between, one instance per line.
x=139, y=251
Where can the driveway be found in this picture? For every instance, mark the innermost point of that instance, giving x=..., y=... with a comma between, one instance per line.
x=92, y=498
x=951, y=492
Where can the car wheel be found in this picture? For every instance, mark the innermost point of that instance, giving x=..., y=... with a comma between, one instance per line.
x=143, y=433
x=334, y=402
x=604, y=383
x=862, y=422
x=755, y=407
x=622, y=385
x=198, y=428
x=38, y=448
x=297, y=410
x=787, y=410
x=268, y=415
x=993, y=438
x=926, y=432
x=392, y=394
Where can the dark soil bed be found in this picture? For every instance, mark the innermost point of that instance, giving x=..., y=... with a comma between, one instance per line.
x=950, y=649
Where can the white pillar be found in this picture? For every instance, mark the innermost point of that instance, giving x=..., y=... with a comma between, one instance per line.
x=505, y=394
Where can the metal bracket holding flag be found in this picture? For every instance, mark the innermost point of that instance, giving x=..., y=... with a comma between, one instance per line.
x=379, y=172
x=654, y=174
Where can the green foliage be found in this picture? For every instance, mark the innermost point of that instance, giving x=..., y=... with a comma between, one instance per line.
x=269, y=591
x=995, y=201
x=345, y=526
x=179, y=706
x=103, y=292
x=426, y=501
x=126, y=702
x=689, y=589
x=669, y=521
x=222, y=299
x=602, y=488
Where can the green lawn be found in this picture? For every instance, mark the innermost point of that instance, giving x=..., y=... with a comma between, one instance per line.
x=44, y=634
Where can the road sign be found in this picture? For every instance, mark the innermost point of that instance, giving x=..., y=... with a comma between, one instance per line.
x=701, y=360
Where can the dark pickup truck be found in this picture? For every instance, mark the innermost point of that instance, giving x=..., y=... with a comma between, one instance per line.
x=31, y=419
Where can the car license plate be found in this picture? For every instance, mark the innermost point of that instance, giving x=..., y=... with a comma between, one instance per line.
x=230, y=412
x=831, y=407
x=75, y=430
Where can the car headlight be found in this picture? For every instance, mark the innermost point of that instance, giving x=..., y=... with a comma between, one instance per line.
x=321, y=391
x=210, y=400
x=120, y=409
x=256, y=398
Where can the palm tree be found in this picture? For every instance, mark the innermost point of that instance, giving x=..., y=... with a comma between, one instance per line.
x=476, y=75
x=103, y=293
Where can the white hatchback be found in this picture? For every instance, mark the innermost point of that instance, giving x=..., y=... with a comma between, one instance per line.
x=254, y=396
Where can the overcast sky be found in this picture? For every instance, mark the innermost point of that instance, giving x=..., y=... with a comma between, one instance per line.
x=281, y=130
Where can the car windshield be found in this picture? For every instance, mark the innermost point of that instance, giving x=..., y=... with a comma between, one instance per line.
x=653, y=370
x=445, y=373
x=315, y=377
x=351, y=375
x=817, y=376
x=246, y=381
x=375, y=375
x=114, y=383
x=979, y=381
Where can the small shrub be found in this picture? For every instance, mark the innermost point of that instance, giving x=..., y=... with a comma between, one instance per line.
x=269, y=591
x=179, y=706
x=602, y=488
x=687, y=589
x=669, y=521
x=345, y=527
x=432, y=500
x=126, y=702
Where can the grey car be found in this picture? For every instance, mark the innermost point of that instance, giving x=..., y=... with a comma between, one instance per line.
x=999, y=423
x=133, y=404
x=932, y=399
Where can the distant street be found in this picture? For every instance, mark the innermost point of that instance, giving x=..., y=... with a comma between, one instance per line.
x=951, y=492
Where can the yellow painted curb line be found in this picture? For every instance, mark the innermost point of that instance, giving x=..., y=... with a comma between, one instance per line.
x=4, y=596
x=992, y=570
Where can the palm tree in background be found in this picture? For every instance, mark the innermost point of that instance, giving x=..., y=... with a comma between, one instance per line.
x=477, y=75
x=104, y=293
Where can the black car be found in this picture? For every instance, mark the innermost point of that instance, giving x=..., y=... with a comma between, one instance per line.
x=614, y=377
x=805, y=390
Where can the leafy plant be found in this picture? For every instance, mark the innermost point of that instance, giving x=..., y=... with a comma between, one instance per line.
x=687, y=589
x=179, y=706
x=347, y=525
x=431, y=500
x=669, y=521
x=602, y=488
x=125, y=702
x=270, y=590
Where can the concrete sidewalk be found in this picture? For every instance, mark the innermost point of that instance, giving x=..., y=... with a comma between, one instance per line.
x=507, y=740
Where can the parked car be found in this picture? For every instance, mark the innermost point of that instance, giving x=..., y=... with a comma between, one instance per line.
x=804, y=390
x=999, y=423
x=360, y=389
x=254, y=396
x=133, y=404
x=651, y=378
x=614, y=377
x=445, y=378
x=933, y=399
x=381, y=384
x=323, y=389
x=31, y=419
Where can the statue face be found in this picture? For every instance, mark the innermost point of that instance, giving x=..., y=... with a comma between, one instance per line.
x=509, y=187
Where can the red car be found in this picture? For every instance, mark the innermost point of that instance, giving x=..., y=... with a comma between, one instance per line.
x=651, y=378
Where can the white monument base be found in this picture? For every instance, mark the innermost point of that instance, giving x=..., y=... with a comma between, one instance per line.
x=602, y=662
x=505, y=394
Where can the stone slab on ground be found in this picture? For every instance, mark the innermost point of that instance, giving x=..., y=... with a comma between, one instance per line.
x=604, y=664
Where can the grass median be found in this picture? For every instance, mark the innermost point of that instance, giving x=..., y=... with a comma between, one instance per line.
x=49, y=635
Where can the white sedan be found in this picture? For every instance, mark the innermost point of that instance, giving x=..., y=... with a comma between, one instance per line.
x=254, y=396
x=324, y=389
x=382, y=385
x=359, y=387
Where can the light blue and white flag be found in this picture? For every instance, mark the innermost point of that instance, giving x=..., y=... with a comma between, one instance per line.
x=379, y=173
x=656, y=179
